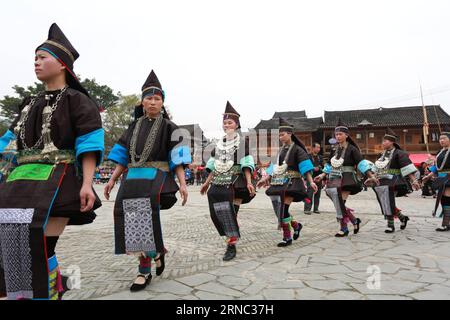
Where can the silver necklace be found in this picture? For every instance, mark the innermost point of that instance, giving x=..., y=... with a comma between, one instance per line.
x=47, y=115
x=384, y=162
x=337, y=163
x=225, y=153
x=281, y=169
x=445, y=158
x=139, y=160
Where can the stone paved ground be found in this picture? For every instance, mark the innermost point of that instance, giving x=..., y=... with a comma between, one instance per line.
x=414, y=263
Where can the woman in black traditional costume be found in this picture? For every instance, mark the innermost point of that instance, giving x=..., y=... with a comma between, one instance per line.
x=391, y=170
x=153, y=151
x=287, y=184
x=229, y=184
x=441, y=172
x=343, y=180
x=52, y=147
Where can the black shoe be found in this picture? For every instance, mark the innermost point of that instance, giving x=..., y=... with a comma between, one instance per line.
x=404, y=223
x=160, y=270
x=341, y=234
x=390, y=230
x=297, y=232
x=316, y=211
x=138, y=287
x=66, y=285
x=230, y=253
x=446, y=228
x=285, y=243
x=307, y=212
x=358, y=222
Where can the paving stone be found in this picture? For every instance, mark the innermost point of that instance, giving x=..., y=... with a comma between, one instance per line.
x=233, y=281
x=197, y=279
x=279, y=294
x=171, y=286
x=218, y=288
x=327, y=285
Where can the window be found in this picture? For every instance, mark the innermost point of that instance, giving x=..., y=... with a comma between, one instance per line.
x=434, y=137
x=372, y=135
x=408, y=138
x=358, y=136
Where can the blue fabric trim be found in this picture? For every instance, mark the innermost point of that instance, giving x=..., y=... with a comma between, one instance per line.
x=51, y=52
x=434, y=169
x=6, y=139
x=305, y=166
x=210, y=166
x=327, y=168
x=365, y=166
x=52, y=263
x=91, y=142
x=119, y=154
x=442, y=175
x=142, y=173
x=248, y=162
x=269, y=170
x=180, y=156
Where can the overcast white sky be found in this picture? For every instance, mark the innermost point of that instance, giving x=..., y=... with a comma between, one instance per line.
x=263, y=56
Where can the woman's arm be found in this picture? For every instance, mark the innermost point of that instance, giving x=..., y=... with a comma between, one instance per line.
x=87, y=197
x=179, y=171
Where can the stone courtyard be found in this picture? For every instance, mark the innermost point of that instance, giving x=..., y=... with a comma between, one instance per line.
x=409, y=264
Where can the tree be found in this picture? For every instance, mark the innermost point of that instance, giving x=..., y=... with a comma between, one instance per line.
x=104, y=95
x=9, y=105
x=118, y=117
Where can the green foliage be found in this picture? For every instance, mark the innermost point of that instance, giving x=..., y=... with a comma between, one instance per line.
x=118, y=117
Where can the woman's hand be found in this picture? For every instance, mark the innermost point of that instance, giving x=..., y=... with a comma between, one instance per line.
x=204, y=189
x=416, y=185
x=264, y=182
x=87, y=198
x=319, y=178
x=184, y=194
x=313, y=185
x=372, y=181
x=251, y=189
x=108, y=188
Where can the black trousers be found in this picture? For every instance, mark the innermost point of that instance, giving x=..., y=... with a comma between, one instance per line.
x=315, y=198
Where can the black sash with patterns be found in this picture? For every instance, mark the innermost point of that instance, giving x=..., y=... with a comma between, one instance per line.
x=222, y=212
x=137, y=223
x=26, y=200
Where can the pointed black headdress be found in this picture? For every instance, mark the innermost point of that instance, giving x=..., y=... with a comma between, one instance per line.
x=342, y=127
x=285, y=126
x=391, y=136
x=151, y=87
x=231, y=113
x=446, y=131
x=60, y=47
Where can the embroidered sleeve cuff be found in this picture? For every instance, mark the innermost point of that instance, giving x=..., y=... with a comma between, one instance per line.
x=407, y=170
x=269, y=170
x=248, y=162
x=365, y=166
x=210, y=165
x=6, y=139
x=434, y=169
x=305, y=166
x=180, y=156
x=119, y=154
x=91, y=142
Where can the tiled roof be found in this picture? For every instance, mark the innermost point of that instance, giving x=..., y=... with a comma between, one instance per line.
x=383, y=117
x=289, y=114
x=300, y=124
